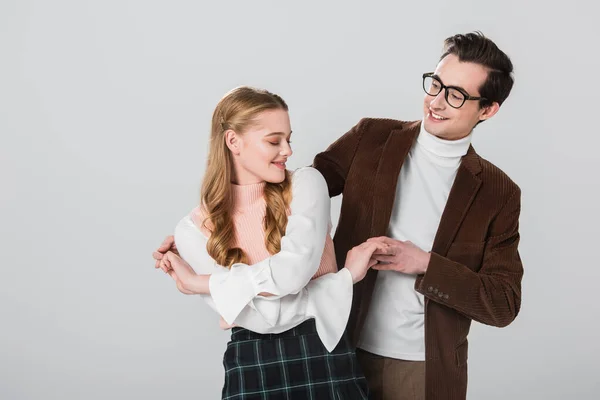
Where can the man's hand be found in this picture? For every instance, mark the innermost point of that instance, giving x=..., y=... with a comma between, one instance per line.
x=400, y=256
x=167, y=245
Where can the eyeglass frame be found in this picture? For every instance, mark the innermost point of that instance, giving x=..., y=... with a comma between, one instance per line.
x=460, y=90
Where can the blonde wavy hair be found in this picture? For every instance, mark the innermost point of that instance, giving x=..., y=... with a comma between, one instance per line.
x=237, y=110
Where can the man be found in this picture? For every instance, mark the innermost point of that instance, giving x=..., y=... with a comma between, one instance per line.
x=450, y=219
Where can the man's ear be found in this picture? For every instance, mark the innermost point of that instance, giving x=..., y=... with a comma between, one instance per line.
x=489, y=111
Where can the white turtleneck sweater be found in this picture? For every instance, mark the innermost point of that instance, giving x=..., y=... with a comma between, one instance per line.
x=395, y=322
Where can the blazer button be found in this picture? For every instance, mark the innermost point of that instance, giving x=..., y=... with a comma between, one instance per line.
x=441, y=294
x=430, y=289
x=446, y=297
x=435, y=290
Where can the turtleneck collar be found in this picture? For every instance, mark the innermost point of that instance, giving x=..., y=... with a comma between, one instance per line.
x=246, y=196
x=441, y=147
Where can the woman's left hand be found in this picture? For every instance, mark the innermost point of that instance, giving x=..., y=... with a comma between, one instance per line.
x=178, y=283
x=181, y=272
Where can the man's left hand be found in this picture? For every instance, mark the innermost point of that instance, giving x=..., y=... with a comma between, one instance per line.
x=400, y=256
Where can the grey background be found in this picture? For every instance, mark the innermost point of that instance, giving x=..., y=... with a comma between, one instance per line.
x=104, y=116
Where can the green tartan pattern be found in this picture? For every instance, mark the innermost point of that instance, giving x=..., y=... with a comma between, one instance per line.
x=293, y=365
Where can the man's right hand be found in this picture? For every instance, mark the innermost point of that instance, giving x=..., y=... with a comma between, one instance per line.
x=167, y=245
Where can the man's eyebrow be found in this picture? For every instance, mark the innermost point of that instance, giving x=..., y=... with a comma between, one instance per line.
x=453, y=86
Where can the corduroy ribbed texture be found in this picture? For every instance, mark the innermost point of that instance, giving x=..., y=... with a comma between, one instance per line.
x=475, y=271
x=248, y=215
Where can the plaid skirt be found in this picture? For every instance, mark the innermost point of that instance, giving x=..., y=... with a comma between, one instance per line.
x=293, y=365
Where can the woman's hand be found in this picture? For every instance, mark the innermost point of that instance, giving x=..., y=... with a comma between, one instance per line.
x=178, y=282
x=360, y=258
x=186, y=279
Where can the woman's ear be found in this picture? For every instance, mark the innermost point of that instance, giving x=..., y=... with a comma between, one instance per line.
x=232, y=140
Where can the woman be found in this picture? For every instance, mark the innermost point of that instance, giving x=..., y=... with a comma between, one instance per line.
x=262, y=257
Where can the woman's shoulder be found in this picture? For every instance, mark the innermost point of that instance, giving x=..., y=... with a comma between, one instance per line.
x=191, y=244
x=309, y=188
x=195, y=220
x=308, y=177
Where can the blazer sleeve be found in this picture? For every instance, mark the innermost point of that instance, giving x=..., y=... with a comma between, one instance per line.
x=491, y=295
x=334, y=163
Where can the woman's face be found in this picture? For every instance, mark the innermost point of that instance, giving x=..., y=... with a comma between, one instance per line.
x=260, y=153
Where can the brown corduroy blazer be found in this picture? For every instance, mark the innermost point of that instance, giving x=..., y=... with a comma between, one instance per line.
x=475, y=270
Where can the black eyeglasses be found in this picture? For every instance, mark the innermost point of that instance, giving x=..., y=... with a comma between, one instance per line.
x=455, y=96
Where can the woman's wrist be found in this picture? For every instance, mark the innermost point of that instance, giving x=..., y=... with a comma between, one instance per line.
x=198, y=284
x=355, y=278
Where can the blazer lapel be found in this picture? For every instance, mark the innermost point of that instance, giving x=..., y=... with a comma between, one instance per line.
x=393, y=155
x=394, y=152
x=464, y=189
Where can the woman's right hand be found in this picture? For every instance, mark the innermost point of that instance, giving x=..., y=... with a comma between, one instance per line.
x=360, y=258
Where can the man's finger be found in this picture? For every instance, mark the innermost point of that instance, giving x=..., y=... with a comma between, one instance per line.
x=166, y=244
x=383, y=258
x=385, y=251
x=384, y=267
x=165, y=266
x=157, y=256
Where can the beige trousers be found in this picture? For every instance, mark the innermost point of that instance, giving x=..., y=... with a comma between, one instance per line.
x=392, y=379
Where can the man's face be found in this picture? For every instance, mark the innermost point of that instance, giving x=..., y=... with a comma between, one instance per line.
x=450, y=123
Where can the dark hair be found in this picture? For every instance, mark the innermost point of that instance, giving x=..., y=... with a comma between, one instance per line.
x=476, y=48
